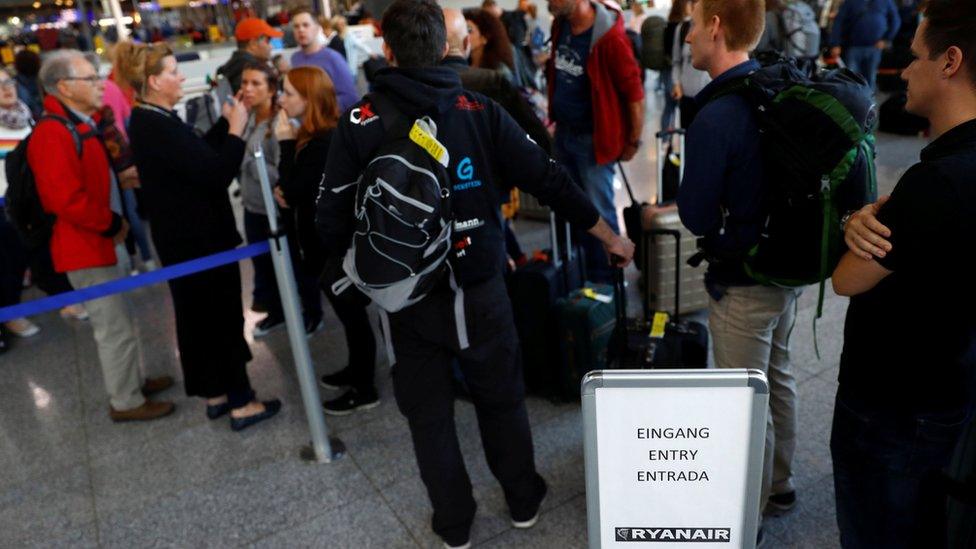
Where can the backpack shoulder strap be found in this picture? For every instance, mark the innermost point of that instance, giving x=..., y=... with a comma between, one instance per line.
x=77, y=137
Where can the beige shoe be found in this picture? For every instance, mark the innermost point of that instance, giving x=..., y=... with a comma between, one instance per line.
x=21, y=327
x=76, y=312
x=150, y=409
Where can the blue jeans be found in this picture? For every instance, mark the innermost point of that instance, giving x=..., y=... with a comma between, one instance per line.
x=863, y=60
x=888, y=476
x=135, y=224
x=575, y=153
x=670, y=103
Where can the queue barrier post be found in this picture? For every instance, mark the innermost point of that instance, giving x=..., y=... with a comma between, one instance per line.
x=323, y=448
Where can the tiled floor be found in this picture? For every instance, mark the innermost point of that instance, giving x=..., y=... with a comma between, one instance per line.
x=70, y=478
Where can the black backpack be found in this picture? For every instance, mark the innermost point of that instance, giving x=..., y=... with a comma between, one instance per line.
x=654, y=50
x=23, y=206
x=818, y=162
x=404, y=220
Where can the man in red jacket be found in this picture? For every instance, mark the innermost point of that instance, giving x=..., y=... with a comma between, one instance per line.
x=83, y=193
x=597, y=101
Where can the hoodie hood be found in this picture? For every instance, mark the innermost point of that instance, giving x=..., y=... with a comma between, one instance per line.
x=606, y=18
x=420, y=91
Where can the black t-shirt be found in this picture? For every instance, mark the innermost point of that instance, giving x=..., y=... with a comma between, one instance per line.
x=909, y=342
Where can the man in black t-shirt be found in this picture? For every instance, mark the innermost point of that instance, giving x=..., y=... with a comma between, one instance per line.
x=906, y=372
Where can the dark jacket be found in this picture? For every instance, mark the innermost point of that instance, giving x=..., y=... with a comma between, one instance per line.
x=299, y=175
x=720, y=197
x=488, y=150
x=184, y=182
x=232, y=69
x=500, y=90
x=864, y=22
x=29, y=91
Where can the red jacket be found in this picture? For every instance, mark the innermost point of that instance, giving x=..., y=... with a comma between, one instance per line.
x=614, y=80
x=76, y=190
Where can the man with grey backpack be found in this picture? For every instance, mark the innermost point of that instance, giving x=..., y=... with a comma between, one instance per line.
x=410, y=201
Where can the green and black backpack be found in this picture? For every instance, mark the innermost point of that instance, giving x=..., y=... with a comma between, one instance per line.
x=818, y=164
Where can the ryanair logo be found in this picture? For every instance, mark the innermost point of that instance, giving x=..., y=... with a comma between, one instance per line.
x=656, y=534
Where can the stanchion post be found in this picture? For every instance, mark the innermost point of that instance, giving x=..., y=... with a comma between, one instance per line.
x=323, y=448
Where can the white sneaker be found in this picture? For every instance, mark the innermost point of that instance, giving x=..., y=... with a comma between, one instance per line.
x=21, y=327
x=76, y=312
x=465, y=546
x=149, y=266
x=526, y=523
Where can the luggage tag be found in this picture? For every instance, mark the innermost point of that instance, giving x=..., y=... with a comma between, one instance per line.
x=423, y=133
x=590, y=293
x=659, y=324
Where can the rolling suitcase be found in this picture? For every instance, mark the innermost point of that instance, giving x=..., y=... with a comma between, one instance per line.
x=534, y=289
x=660, y=341
x=659, y=261
x=585, y=321
x=531, y=208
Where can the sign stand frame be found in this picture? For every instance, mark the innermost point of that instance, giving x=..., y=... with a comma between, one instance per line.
x=657, y=379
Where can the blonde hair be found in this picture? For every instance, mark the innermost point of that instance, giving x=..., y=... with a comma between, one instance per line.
x=128, y=59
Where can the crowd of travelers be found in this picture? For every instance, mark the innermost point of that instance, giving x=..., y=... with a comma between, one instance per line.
x=127, y=186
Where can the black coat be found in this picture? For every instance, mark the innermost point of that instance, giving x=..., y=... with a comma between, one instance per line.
x=299, y=175
x=184, y=181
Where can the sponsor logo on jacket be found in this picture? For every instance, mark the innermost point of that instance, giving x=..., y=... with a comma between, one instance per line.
x=363, y=115
x=468, y=225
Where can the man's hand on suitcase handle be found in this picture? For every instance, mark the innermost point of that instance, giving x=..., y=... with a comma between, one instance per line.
x=619, y=248
x=865, y=235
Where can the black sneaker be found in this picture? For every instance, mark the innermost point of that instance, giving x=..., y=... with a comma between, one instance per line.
x=313, y=324
x=779, y=504
x=336, y=381
x=350, y=402
x=269, y=324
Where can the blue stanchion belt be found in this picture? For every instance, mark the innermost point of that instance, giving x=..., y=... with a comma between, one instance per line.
x=130, y=283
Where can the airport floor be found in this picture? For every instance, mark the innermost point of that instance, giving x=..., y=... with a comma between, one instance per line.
x=69, y=477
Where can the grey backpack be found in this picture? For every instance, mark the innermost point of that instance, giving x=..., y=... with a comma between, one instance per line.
x=801, y=31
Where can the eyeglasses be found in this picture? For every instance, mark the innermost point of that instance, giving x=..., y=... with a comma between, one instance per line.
x=8, y=83
x=93, y=79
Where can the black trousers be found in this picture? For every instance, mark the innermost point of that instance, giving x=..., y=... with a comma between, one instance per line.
x=210, y=333
x=425, y=343
x=350, y=307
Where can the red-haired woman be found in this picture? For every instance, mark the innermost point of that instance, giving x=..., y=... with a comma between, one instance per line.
x=309, y=113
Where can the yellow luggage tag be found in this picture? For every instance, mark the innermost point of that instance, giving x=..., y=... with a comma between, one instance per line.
x=590, y=293
x=422, y=133
x=658, y=325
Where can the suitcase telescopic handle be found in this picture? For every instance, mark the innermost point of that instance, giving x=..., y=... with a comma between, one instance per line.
x=662, y=160
x=676, y=234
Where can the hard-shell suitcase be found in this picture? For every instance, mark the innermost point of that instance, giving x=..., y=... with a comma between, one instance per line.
x=658, y=341
x=531, y=208
x=585, y=321
x=534, y=289
x=659, y=261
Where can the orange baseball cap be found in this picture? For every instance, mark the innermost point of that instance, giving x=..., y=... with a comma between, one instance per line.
x=252, y=27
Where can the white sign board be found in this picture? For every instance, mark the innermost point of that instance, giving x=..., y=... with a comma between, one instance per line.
x=674, y=457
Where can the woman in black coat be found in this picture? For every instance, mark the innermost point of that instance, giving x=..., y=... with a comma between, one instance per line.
x=185, y=180
x=309, y=99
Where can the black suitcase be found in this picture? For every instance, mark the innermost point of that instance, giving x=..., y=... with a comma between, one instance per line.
x=658, y=341
x=534, y=289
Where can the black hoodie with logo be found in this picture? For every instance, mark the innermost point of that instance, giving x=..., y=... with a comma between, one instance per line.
x=488, y=151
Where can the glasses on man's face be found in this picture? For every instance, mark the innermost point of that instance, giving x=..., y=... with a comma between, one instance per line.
x=93, y=79
x=7, y=83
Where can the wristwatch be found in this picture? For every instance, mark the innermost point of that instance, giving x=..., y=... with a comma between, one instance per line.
x=847, y=217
